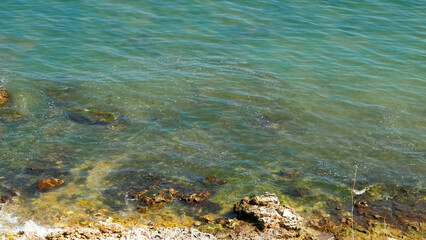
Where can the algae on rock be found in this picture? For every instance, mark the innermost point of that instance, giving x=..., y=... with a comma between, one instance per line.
x=90, y=116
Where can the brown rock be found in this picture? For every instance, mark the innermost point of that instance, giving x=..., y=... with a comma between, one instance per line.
x=157, y=200
x=207, y=218
x=138, y=195
x=48, y=183
x=213, y=179
x=227, y=222
x=195, y=197
x=210, y=179
x=5, y=199
x=299, y=192
x=361, y=204
x=4, y=96
x=411, y=220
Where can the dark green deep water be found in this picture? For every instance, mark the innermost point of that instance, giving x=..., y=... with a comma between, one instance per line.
x=236, y=89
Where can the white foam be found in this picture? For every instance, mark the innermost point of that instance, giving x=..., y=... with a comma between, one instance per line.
x=7, y=215
x=360, y=192
x=33, y=228
x=9, y=222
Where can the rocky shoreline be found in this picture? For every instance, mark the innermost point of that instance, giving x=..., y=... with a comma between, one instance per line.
x=258, y=217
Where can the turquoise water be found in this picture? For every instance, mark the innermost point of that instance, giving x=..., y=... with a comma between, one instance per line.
x=236, y=89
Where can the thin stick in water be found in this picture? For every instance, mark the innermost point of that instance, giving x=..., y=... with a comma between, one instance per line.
x=352, y=197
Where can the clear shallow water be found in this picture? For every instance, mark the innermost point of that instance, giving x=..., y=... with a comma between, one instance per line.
x=236, y=89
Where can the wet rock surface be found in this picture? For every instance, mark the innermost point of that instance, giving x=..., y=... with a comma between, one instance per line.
x=382, y=211
x=4, y=96
x=49, y=183
x=405, y=210
x=265, y=210
x=7, y=197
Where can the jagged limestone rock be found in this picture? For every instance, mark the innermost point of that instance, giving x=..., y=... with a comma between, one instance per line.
x=265, y=210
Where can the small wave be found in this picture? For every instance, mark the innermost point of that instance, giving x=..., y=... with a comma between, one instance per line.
x=31, y=227
x=9, y=221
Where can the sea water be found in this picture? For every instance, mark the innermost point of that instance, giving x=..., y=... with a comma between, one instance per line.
x=236, y=89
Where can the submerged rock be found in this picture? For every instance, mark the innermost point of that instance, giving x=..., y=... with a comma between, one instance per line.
x=90, y=116
x=298, y=192
x=123, y=119
x=290, y=172
x=213, y=179
x=265, y=210
x=58, y=103
x=4, y=96
x=262, y=120
x=11, y=117
x=160, y=198
x=152, y=191
x=265, y=121
x=195, y=197
x=48, y=183
x=157, y=200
